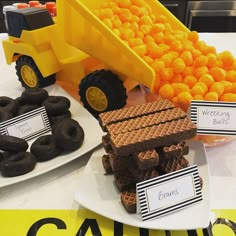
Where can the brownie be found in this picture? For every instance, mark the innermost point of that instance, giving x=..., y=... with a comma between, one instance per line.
x=128, y=200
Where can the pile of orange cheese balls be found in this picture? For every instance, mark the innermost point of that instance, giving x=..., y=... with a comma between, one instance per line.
x=186, y=67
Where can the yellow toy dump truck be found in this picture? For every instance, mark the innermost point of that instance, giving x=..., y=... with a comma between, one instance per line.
x=77, y=46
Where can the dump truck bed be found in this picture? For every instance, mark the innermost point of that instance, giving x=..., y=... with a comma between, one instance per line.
x=82, y=29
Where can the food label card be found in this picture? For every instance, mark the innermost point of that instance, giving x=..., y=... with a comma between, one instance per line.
x=216, y=118
x=168, y=193
x=27, y=126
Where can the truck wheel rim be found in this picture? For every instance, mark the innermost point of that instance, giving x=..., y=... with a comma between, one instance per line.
x=96, y=98
x=28, y=76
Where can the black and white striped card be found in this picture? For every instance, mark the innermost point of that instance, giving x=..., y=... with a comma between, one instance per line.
x=27, y=126
x=216, y=118
x=168, y=193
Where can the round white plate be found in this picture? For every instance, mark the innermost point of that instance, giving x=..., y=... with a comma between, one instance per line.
x=98, y=193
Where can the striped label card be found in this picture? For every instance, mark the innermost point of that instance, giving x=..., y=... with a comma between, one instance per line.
x=27, y=126
x=169, y=193
x=216, y=118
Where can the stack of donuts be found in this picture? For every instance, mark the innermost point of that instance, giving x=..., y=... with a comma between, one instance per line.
x=16, y=156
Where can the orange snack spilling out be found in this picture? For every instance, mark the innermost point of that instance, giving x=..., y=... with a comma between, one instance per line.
x=186, y=68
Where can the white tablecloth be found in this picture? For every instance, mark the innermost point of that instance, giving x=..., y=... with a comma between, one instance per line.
x=55, y=189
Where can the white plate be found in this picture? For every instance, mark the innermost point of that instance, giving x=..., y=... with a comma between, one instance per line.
x=93, y=137
x=98, y=193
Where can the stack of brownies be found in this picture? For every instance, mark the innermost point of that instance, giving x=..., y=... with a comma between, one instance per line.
x=143, y=142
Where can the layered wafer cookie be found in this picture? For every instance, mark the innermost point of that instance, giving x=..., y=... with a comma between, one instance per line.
x=146, y=120
x=171, y=165
x=119, y=163
x=142, y=175
x=124, y=180
x=109, y=117
x=147, y=159
x=173, y=151
x=106, y=143
x=128, y=200
x=106, y=164
x=154, y=136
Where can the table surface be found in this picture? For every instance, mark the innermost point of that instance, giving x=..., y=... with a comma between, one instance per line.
x=56, y=189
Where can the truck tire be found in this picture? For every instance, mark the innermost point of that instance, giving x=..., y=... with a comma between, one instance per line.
x=29, y=74
x=102, y=91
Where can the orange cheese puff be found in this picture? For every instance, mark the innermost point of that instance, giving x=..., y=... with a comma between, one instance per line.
x=198, y=72
x=233, y=88
x=154, y=50
x=176, y=46
x=116, y=22
x=166, y=91
x=126, y=34
x=134, y=27
x=199, y=88
x=190, y=80
x=134, y=19
x=145, y=20
x=212, y=60
x=166, y=74
x=146, y=29
x=148, y=60
x=177, y=78
x=218, y=73
x=179, y=88
x=135, y=42
x=184, y=98
x=209, y=49
x=158, y=65
x=141, y=50
x=211, y=96
x=193, y=36
x=168, y=59
x=187, y=57
x=158, y=27
x=115, y=10
x=200, y=45
x=125, y=15
x=124, y=3
x=188, y=71
x=108, y=22
x=156, y=85
x=117, y=32
x=169, y=38
x=231, y=76
x=196, y=53
x=139, y=34
x=139, y=3
x=137, y=11
x=228, y=97
x=198, y=97
x=227, y=58
x=126, y=25
x=227, y=86
x=200, y=61
x=105, y=13
x=148, y=38
x=161, y=19
x=218, y=88
x=158, y=37
x=178, y=65
x=207, y=79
